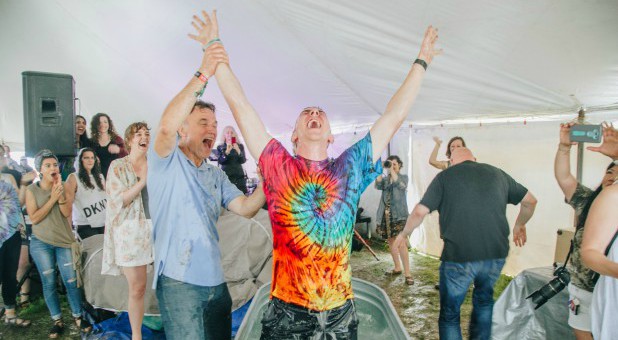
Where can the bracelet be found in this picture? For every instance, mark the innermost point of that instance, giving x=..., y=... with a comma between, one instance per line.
x=213, y=41
x=421, y=62
x=61, y=203
x=202, y=77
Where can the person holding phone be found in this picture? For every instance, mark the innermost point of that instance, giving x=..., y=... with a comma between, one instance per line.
x=232, y=157
x=580, y=197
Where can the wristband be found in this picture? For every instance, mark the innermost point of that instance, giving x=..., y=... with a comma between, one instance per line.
x=202, y=77
x=213, y=41
x=421, y=62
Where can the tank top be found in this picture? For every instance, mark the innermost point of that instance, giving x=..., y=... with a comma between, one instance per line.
x=54, y=229
x=89, y=205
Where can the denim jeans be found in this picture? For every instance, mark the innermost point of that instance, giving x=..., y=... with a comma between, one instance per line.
x=455, y=279
x=282, y=321
x=46, y=257
x=194, y=312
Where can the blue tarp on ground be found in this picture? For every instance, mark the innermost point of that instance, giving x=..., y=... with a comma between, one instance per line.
x=120, y=328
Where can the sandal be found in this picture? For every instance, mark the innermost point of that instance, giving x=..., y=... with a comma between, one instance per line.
x=394, y=272
x=17, y=322
x=409, y=280
x=24, y=303
x=56, y=329
x=83, y=324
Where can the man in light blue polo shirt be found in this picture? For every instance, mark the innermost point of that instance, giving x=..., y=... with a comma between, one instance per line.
x=186, y=195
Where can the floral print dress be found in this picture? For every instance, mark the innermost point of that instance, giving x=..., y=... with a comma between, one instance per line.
x=128, y=234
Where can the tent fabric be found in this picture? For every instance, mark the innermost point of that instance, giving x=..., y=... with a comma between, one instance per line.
x=246, y=248
x=500, y=58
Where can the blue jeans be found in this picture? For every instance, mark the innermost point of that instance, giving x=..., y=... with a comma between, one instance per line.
x=46, y=257
x=194, y=312
x=455, y=279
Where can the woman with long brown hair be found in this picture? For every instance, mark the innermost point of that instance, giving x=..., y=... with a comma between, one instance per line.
x=106, y=143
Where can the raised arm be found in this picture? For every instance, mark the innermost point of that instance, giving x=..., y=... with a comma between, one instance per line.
x=250, y=125
x=180, y=107
x=399, y=105
x=562, y=163
x=599, y=229
x=433, y=158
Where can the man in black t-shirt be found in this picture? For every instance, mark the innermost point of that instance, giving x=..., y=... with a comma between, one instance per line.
x=471, y=198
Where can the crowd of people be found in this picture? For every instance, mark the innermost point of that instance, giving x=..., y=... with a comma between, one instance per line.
x=157, y=202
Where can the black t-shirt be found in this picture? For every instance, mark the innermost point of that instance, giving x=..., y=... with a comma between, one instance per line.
x=471, y=198
x=16, y=174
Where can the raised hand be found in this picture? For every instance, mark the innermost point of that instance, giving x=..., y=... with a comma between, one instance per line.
x=609, y=147
x=437, y=140
x=57, y=190
x=428, y=51
x=207, y=27
x=565, y=134
x=113, y=149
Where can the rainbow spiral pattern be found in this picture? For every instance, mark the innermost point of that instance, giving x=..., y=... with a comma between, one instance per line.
x=312, y=207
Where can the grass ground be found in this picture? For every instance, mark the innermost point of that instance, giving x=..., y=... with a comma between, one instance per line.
x=417, y=305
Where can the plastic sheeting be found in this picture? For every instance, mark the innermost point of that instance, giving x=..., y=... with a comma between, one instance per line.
x=246, y=249
x=514, y=317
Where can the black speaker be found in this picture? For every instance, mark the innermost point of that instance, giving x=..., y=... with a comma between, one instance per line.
x=49, y=113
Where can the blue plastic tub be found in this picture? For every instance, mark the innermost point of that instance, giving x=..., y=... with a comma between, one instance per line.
x=377, y=316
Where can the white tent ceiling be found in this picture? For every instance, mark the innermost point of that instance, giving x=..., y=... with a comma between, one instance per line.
x=501, y=58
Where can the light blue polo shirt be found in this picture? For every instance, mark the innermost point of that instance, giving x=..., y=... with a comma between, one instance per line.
x=185, y=203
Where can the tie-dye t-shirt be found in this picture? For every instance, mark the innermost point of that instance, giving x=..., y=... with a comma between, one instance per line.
x=312, y=207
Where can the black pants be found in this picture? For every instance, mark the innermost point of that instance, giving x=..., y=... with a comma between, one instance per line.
x=9, y=260
x=287, y=321
x=85, y=231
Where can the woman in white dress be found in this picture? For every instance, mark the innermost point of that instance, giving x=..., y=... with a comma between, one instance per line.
x=128, y=238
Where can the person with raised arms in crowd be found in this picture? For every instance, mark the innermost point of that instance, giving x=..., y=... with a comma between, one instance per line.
x=312, y=199
x=186, y=195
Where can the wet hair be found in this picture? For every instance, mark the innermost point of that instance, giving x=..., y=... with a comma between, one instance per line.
x=395, y=158
x=82, y=173
x=131, y=131
x=581, y=220
x=41, y=156
x=200, y=104
x=448, y=146
x=94, y=127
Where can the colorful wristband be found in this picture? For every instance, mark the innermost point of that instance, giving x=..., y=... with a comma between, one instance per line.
x=202, y=77
x=213, y=41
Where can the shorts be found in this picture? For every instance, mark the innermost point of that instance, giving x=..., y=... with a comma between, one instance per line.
x=287, y=321
x=581, y=321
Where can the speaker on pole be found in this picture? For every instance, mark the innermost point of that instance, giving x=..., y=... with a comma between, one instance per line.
x=49, y=113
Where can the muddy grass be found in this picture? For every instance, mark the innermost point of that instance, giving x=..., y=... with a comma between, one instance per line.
x=417, y=305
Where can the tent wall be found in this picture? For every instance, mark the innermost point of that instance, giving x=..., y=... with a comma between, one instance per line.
x=526, y=152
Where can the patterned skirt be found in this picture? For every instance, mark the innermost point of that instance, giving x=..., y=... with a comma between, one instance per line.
x=389, y=228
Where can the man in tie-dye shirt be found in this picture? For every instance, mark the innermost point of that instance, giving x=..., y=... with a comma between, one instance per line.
x=312, y=201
